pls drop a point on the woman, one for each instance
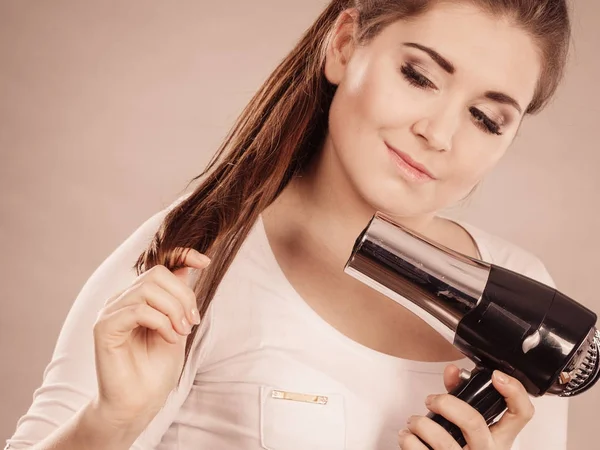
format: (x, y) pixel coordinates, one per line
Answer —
(399, 106)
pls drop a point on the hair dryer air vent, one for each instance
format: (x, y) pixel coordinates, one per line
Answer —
(584, 369)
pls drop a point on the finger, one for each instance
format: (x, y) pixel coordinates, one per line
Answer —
(159, 299)
(464, 416)
(408, 441)
(188, 257)
(451, 377)
(127, 319)
(187, 277)
(179, 284)
(432, 433)
(183, 258)
(520, 409)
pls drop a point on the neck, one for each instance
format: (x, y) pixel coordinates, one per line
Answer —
(320, 214)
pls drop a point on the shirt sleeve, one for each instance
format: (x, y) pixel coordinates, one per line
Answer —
(69, 380)
(548, 428)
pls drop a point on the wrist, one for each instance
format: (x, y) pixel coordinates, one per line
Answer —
(101, 428)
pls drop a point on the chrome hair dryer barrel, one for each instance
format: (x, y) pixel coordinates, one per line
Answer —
(497, 318)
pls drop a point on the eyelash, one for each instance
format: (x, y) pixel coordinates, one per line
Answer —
(415, 78)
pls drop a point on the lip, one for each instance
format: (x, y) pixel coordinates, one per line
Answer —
(419, 168)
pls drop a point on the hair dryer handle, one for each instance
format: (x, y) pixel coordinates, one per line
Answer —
(479, 392)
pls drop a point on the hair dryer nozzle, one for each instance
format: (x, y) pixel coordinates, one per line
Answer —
(434, 282)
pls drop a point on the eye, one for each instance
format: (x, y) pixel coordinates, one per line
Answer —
(415, 78)
(484, 122)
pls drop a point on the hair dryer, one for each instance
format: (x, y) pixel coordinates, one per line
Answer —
(497, 318)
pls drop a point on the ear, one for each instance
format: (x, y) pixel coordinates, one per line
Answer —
(341, 45)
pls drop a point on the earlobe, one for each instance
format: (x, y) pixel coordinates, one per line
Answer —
(340, 46)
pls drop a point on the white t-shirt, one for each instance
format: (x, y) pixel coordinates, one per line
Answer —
(266, 371)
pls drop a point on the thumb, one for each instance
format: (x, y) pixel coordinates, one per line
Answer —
(520, 409)
(451, 377)
(193, 262)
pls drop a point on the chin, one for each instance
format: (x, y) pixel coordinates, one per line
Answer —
(378, 186)
(397, 201)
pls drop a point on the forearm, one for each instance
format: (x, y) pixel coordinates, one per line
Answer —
(92, 429)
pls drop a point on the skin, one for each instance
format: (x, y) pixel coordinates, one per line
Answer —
(446, 123)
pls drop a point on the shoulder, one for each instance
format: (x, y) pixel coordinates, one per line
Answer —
(504, 253)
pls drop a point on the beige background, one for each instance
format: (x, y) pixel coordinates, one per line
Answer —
(107, 108)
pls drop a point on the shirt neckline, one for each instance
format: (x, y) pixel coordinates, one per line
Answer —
(331, 332)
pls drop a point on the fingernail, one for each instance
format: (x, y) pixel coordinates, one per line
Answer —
(186, 325)
(501, 377)
(403, 432)
(409, 420)
(174, 335)
(429, 399)
(191, 276)
(201, 258)
(195, 316)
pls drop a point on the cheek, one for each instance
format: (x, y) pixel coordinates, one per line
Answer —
(353, 118)
(368, 97)
(471, 166)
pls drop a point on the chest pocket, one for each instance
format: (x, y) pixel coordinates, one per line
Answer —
(292, 420)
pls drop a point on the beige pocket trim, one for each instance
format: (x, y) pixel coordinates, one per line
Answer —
(293, 420)
(299, 397)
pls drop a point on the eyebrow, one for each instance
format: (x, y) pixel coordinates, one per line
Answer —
(448, 67)
(499, 97)
(442, 62)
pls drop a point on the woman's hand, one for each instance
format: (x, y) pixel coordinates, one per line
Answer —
(139, 339)
(478, 435)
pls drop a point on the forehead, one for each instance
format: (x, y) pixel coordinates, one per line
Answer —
(489, 52)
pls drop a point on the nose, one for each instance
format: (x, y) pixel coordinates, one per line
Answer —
(437, 130)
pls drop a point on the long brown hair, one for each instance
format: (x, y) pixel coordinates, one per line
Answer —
(284, 125)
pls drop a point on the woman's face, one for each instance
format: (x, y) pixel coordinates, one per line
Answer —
(445, 91)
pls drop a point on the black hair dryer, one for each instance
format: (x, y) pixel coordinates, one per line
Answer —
(497, 318)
